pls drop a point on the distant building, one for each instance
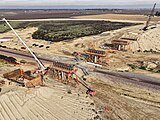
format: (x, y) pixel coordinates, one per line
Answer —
(5, 39)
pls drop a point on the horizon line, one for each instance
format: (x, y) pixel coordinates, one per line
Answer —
(147, 6)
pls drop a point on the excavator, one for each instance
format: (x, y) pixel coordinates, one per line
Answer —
(149, 18)
(42, 70)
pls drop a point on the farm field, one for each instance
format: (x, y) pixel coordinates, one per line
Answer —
(126, 82)
(65, 30)
(119, 17)
(16, 14)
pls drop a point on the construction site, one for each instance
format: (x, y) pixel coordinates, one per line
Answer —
(113, 75)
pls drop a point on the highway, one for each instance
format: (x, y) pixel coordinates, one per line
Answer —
(28, 56)
(138, 79)
(128, 77)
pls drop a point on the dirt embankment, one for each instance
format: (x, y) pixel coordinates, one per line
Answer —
(119, 101)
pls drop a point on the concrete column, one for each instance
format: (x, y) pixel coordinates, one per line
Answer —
(56, 74)
(65, 76)
(119, 47)
(95, 59)
(59, 75)
(62, 76)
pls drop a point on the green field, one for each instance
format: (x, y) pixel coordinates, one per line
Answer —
(4, 27)
(65, 30)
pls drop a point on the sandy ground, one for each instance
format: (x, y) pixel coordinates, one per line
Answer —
(55, 48)
(118, 100)
(50, 102)
(144, 42)
(147, 40)
(79, 44)
(45, 103)
(125, 101)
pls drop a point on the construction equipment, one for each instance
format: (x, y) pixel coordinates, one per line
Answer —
(41, 66)
(67, 73)
(60, 70)
(90, 91)
(149, 18)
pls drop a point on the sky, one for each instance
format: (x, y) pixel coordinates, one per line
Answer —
(109, 3)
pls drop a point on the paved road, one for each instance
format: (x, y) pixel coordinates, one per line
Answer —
(126, 76)
(134, 78)
(123, 77)
(28, 56)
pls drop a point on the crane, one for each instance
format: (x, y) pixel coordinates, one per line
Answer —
(149, 18)
(42, 67)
